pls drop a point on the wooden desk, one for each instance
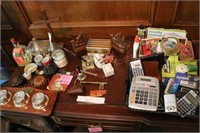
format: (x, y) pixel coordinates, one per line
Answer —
(114, 114)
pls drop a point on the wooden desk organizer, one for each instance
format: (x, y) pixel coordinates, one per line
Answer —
(28, 108)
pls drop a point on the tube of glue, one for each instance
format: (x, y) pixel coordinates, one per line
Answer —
(136, 45)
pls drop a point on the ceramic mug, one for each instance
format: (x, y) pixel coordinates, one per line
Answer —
(38, 59)
(27, 75)
(46, 61)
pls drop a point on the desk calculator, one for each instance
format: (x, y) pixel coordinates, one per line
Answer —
(144, 93)
(136, 67)
(187, 103)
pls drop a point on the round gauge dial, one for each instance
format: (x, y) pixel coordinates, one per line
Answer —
(38, 98)
(19, 96)
(3, 95)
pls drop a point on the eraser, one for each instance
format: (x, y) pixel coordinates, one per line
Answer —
(108, 70)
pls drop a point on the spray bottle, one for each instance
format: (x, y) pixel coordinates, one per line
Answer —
(136, 45)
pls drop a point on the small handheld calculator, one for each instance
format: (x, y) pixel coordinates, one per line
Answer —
(187, 103)
(144, 93)
(169, 87)
(136, 67)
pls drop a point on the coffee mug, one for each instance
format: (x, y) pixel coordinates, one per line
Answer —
(38, 59)
(27, 75)
(45, 61)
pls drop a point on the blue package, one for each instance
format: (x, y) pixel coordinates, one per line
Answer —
(166, 80)
(3, 81)
(177, 79)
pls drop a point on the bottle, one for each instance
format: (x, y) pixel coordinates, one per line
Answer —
(14, 42)
(141, 31)
(51, 46)
(136, 45)
(19, 53)
(59, 58)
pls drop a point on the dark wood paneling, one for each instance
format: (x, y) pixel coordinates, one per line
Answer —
(187, 13)
(186, 16)
(90, 11)
(102, 17)
(164, 14)
(6, 24)
(90, 16)
(20, 28)
(7, 31)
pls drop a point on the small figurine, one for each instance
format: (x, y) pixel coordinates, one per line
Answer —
(78, 43)
(118, 42)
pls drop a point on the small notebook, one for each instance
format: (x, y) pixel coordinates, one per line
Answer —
(59, 82)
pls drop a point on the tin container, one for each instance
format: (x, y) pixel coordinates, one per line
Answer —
(59, 58)
(40, 82)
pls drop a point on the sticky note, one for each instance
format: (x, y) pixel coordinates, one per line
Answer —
(65, 79)
(95, 129)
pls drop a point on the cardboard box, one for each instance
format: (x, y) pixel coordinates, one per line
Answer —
(161, 32)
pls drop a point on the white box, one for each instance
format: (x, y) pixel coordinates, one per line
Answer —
(161, 32)
(108, 70)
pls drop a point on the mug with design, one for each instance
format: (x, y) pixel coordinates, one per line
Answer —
(46, 60)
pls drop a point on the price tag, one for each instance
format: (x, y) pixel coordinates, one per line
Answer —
(95, 129)
(97, 92)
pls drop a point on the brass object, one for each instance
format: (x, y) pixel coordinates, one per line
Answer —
(81, 75)
(88, 62)
(118, 42)
(101, 84)
(40, 82)
(101, 46)
(78, 43)
(96, 74)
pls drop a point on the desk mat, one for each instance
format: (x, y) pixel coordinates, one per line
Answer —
(28, 108)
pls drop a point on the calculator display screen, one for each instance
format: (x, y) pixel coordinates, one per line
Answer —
(144, 79)
(192, 99)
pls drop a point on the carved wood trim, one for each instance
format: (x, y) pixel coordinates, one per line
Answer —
(91, 24)
(23, 12)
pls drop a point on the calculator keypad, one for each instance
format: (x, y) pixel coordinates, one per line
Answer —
(184, 107)
(137, 71)
(170, 88)
(146, 97)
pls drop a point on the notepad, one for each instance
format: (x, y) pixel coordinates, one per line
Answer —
(65, 79)
(91, 99)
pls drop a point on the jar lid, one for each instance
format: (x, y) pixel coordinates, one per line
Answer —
(58, 54)
(39, 80)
